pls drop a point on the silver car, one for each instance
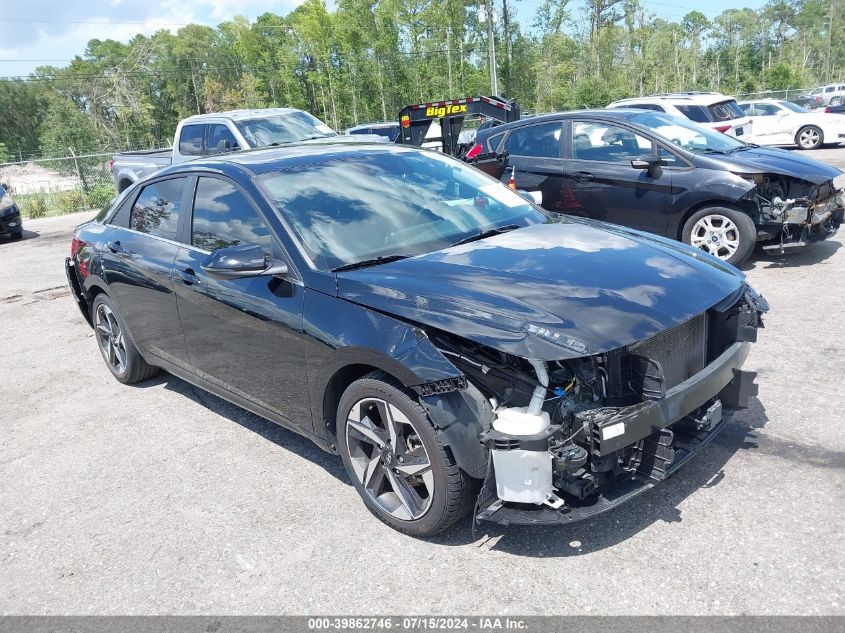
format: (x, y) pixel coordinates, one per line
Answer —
(831, 94)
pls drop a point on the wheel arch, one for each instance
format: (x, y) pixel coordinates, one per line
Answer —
(458, 416)
(747, 207)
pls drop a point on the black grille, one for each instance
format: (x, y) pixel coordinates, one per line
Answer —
(681, 351)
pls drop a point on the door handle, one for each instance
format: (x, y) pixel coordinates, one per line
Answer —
(583, 175)
(116, 248)
(188, 277)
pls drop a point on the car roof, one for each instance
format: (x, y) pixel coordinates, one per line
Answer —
(697, 98)
(270, 159)
(604, 113)
(376, 124)
(241, 115)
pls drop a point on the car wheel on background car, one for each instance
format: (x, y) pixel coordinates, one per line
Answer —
(725, 233)
(395, 460)
(122, 358)
(836, 101)
(809, 137)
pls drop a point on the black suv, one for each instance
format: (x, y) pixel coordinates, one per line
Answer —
(666, 175)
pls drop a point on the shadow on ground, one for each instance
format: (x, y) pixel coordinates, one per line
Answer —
(278, 435)
(658, 504)
(611, 528)
(27, 235)
(807, 256)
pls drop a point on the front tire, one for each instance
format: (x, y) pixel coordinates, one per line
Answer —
(402, 472)
(725, 233)
(122, 357)
(16, 235)
(809, 137)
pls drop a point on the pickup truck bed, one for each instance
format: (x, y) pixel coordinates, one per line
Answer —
(131, 166)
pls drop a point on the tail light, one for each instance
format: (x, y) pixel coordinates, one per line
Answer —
(828, 110)
(723, 128)
(111, 164)
(76, 245)
(475, 150)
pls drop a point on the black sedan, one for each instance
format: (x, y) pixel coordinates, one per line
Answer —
(10, 215)
(668, 176)
(414, 315)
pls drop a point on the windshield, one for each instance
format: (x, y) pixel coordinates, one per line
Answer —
(791, 106)
(687, 135)
(390, 203)
(283, 128)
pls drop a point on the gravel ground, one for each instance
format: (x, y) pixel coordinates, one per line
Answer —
(162, 499)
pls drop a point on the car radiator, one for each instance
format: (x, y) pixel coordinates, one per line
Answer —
(680, 352)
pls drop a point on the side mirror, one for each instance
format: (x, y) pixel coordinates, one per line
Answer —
(650, 163)
(243, 260)
(225, 145)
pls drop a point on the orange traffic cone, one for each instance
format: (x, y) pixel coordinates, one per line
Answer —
(512, 181)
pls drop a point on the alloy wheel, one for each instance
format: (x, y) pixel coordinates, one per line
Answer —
(808, 138)
(389, 459)
(717, 235)
(110, 338)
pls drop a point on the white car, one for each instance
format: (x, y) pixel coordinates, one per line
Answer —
(710, 109)
(784, 123)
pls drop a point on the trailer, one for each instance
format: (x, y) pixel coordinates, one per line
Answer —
(415, 120)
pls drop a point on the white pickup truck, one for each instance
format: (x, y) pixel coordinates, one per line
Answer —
(209, 134)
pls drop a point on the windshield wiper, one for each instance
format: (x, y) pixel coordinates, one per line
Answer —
(487, 233)
(364, 263)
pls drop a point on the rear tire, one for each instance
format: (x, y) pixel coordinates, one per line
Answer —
(725, 233)
(836, 101)
(809, 137)
(405, 476)
(120, 354)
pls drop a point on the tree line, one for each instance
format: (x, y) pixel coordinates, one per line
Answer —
(366, 59)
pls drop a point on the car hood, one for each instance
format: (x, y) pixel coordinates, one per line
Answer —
(772, 160)
(563, 289)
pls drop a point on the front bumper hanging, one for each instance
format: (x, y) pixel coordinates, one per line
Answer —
(663, 435)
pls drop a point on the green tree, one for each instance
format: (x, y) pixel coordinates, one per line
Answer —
(66, 128)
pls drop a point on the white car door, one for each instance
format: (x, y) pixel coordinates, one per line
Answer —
(769, 124)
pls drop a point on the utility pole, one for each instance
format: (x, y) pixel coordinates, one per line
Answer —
(829, 42)
(491, 48)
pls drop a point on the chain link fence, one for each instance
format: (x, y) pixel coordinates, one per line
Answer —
(787, 94)
(54, 186)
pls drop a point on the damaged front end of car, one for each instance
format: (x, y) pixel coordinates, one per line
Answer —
(795, 212)
(565, 440)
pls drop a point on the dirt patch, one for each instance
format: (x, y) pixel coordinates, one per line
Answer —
(32, 178)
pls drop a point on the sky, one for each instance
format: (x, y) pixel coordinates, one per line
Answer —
(50, 32)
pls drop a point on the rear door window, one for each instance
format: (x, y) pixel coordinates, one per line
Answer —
(223, 216)
(190, 140)
(541, 140)
(157, 208)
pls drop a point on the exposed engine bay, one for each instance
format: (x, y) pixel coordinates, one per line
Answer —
(571, 438)
(795, 212)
